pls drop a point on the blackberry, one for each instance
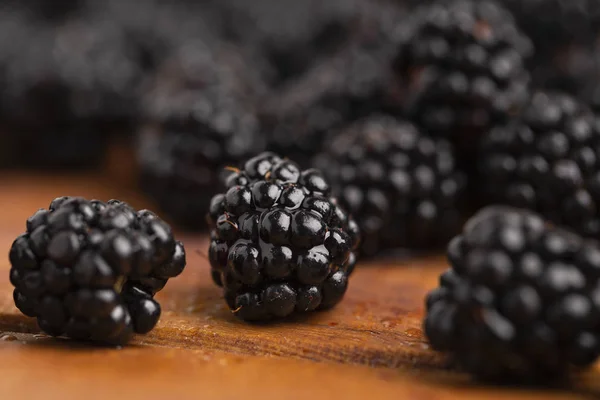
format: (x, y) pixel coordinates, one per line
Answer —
(199, 119)
(548, 160)
(401, 185)
(463, 64)
(520, 301)
(279, 243)
(89, 270)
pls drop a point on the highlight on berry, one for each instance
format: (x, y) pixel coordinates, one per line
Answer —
(89, 270)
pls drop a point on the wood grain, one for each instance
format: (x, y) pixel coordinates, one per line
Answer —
(371, 345)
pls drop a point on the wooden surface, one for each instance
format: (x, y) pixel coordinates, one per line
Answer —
(370, 346)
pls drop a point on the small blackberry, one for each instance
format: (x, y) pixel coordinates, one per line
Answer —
(548, 161)
(463, 64)
(199, 120)
(89, 270)
(351, 84)
(279, 244)
(401, 185)
(520, 301)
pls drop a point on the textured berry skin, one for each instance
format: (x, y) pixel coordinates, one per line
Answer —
(520, 301)
(401, 185)
(548, 161)
(89, 270)
(199, 120)
(280, 245)
(463, 64)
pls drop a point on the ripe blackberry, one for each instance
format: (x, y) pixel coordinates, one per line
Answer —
(401, 185)
(199, 120)
(279, 244)
(520, 301)
(463, 62)
(89, 270)
(548, 161)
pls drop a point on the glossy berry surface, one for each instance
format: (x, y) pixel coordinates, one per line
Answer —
(520, 300)
(548, 160)
(89, 270)
(279, 243)
(401, 185)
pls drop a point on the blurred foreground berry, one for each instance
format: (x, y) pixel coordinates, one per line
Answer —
(520, 301)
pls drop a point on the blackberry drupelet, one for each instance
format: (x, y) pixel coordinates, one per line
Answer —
(89, 270)
(463, 64)
(199, 120)
(520, 301)
(548, 161)
(401, 185)
(279, 244)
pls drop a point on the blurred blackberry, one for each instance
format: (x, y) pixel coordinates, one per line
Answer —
(401, 185)
(520, 301)
(89, 270)
(548, 161)
(464, 67)
(200, 119)
(348, 86)
(279, 244)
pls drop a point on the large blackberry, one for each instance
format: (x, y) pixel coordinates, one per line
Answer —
(548, 160)
(521, 300)
(401, 185)
(279, 243)
(463, 63)
(89, 270)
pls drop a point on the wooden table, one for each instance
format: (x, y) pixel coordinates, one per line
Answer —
(370, 346)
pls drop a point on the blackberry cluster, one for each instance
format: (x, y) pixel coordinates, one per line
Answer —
(464, 66)
(520, 301)
(199, 120)
(401, 185)
(279, 244)
(348, 86)
(90, 270)
(547, 161)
